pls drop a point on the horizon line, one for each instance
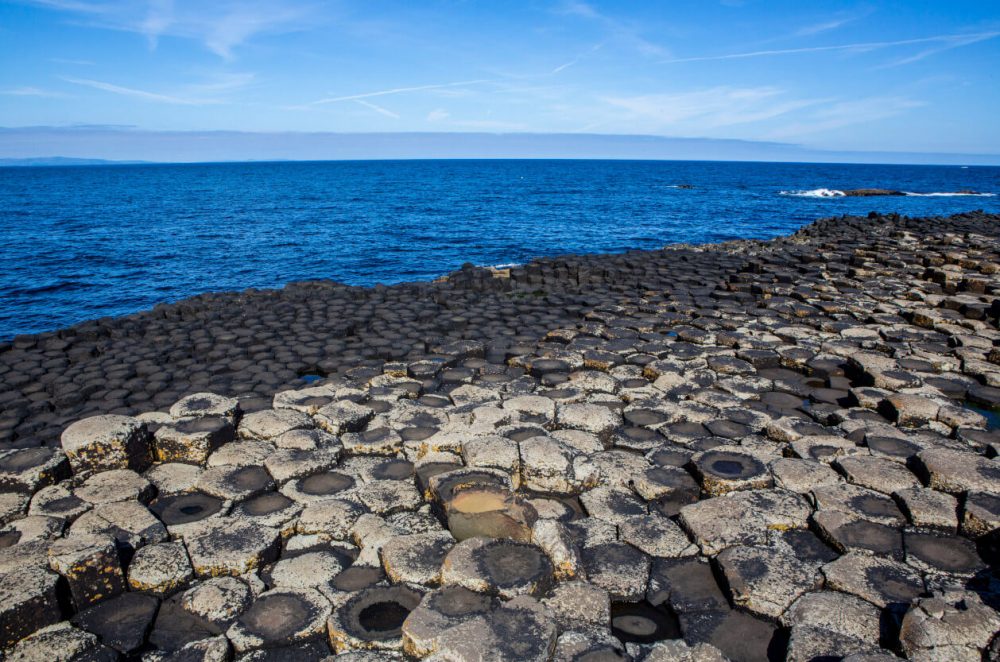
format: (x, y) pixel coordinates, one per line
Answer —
(85, 162)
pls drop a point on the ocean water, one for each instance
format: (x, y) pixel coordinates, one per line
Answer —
(83, 242)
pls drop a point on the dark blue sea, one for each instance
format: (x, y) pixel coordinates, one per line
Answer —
(83, 242)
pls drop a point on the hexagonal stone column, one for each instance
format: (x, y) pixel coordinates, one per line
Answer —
(230, 546)
(91, 567)
(373, 619)
(280, 618)
(28, 601)
(101, 443)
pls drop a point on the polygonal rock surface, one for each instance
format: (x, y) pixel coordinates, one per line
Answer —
(272, 423)
(980, 514)
(957, 471)
(205, 404)
(727, 471)
(121, 622)
(766, 581)
(160, 569)
(372, 619)
(521, 629)
(280, 618)
(743, 518)
(230, 547)
(218, 600)
(192, 440)
(416, 558)
(882, 582)
(837, 612)
(620, 569)
(28, 601)
(90, 565)
(309, 569)
(56, 643)
(101, 443)
(937, 626)
(657, 536)
(505, 567)
(439, 611)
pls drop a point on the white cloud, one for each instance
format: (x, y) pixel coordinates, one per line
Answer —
(623, 32)
(822, 26)
(438, 115)
(210, 93)
(378, 109)
(221, 25)
(398, 90)
(31, 92)
(711, 108)
(846, 113)
(949, 41)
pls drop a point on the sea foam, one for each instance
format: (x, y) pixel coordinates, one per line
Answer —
(816, 193)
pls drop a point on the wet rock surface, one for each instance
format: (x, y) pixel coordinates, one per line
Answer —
(757, 450)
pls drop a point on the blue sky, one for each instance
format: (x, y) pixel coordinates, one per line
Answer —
(916, 76)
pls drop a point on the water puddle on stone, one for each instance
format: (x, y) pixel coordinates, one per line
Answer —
(643, 623)
(991, 415)
(309, 378)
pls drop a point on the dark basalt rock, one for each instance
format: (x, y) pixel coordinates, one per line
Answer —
(934, 552)
(373, 618)
(740, 636)
(643, 623)
(513, 564)
(892, 446)
(185, 508)
(265, 504)
(324, 484)
(872, 536)
(723, 471)
(122, 622)
(357, 578)
(277, 618)
(394, 469)
(174, 627)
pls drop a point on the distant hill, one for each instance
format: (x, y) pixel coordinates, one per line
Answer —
(62, 161)
(140, 146)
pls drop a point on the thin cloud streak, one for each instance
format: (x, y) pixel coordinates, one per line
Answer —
(958, 39)
(140, 94)
(399, 90)
(32, 92)
(221, 26)
(378, 109)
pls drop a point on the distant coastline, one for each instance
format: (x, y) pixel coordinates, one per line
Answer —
(114, 144)
(48, 161)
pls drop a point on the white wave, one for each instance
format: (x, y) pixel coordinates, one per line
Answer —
(951, 195)
(816, 193)
(506, 265)
(834, 193)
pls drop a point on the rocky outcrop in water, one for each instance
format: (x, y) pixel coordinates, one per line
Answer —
(754, 450)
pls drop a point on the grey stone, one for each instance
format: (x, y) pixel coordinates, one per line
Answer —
(882, 582)
(280, 618)
(160, 569)
(766, 581)
(91, 567)
(102, 443)
(206, 404)
(230, 546)
(28, 602)
(956, 471)
(939, 628)
(929, 508)
(743, 518)
(504, 567)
